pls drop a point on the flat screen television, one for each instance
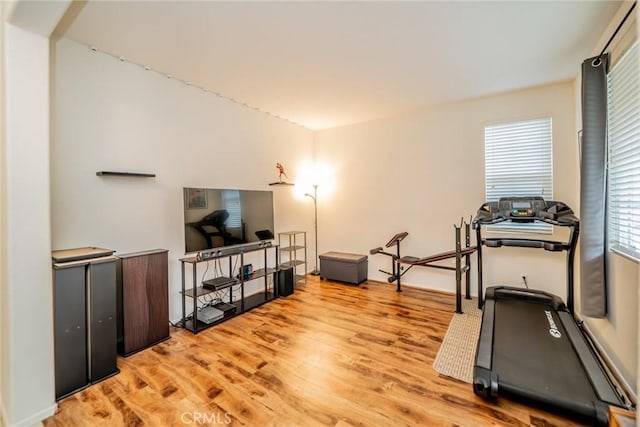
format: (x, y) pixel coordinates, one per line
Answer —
(215, 217)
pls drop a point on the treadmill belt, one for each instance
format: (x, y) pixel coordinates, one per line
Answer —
(534, 358)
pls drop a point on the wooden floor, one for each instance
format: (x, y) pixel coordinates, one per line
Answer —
(329, 355)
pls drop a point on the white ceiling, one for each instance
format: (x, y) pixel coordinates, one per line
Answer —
(326, 64)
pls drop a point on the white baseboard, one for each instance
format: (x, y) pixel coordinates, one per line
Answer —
(32, 420)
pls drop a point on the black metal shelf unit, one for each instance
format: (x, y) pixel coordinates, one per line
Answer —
(233, 284)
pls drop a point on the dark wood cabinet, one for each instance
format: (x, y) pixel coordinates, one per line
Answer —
(143, 300)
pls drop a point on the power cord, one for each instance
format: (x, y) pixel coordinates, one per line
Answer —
(205, 272)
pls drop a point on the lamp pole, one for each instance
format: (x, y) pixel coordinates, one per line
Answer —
(314, 197)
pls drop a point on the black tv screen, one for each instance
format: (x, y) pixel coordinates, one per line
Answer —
(215, 217)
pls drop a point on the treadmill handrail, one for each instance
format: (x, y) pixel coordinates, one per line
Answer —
(548, 245)
(569, 220)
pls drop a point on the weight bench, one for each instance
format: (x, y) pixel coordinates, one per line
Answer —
(458, 253)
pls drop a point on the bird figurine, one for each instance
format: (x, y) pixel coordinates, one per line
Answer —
(281, 172)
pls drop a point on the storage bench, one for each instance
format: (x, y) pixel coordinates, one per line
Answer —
(343, 267)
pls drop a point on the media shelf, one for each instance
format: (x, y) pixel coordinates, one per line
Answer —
(261, 272)
(256, 300)
(295, 248)
(200, 326)
(201, 290)
(230, 286)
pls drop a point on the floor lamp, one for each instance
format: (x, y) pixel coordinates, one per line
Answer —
(314, 197)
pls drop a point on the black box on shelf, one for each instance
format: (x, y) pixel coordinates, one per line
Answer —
(226, 308)
(218, 282)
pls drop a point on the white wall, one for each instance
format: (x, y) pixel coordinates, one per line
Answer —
(111, 115)
(618, 332)
(4, 300)
(422, 172)
(26, 357)
(29, 285)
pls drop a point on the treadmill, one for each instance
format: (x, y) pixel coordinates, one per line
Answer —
(530, 346)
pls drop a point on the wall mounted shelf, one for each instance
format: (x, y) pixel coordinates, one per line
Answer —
(281, 183)
(129, 174)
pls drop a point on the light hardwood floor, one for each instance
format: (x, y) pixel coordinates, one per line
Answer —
(329, 355)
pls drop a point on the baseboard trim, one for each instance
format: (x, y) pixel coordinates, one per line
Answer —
(419, 287)
(32, 420)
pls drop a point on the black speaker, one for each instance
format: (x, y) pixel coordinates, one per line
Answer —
(101, 319)
(285, 282)
(70, 328)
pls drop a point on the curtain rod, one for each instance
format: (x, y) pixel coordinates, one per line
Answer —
(596, 62)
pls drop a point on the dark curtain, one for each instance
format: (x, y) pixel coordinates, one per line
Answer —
(593, 295)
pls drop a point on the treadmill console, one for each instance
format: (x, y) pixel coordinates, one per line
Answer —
(525, 209)
(521, 208)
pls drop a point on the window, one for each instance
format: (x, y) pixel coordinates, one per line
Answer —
(623, 169)
(519, 162)
(231, 202)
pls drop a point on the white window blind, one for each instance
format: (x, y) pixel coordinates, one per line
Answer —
(231, 203)
(519, 162)
(623, 137)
